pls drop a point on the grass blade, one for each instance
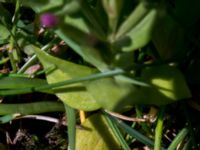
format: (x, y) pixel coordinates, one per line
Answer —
(140, 137)
(31, 108)
(71, 121)
(117, 133)
(159, 128)
(181, 135)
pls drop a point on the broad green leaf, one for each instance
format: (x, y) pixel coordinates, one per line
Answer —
(139, 35)
(168, 86)
(76, 95)
(96, 135)
(112, 94)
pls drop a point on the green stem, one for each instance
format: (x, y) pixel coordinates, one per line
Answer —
(31, 108)
(12, 61)
(159, 129)
(12, 39)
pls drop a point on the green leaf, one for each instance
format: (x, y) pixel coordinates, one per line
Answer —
(112, 94)
(80, 43)
(44, 5)
(167, 86)
(96, 135)
(93, 19)
(4, 34)
(139, 35)
(113, 9)
(76, 95)
(133, 19)
(78, 22)
(171, 43)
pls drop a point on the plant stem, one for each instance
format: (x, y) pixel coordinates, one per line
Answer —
(12, 38)
(159, 129)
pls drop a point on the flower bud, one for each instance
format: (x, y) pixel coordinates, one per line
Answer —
(48, 20)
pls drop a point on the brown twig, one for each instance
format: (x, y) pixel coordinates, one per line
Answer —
(125, 117)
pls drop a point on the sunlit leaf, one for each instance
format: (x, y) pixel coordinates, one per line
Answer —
(96, 135)
(74, 95)
(168, 86)
(161, 85)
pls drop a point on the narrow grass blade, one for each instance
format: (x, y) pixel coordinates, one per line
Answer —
(181, 135)
(117, 133)
(140, 137)
(31, 108)
(159, 128)
(190, 126)
(71, 121)
(188, 145)
(59, 84)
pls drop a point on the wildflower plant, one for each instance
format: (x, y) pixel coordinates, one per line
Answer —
(125, 55)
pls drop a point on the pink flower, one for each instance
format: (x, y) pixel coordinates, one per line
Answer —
(48, 20)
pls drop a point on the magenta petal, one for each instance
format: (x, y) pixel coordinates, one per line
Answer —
(48, 20)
